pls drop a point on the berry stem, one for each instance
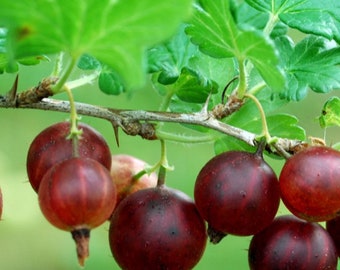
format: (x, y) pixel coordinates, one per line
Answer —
(140, 174)
(75, 133)
(265, 131)
(163, 165)
(257, 88)
(60, 86)
(161, 176)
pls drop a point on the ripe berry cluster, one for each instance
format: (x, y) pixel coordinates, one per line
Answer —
(73, 181)
(153, 226)
(238, 193)
(80, 192)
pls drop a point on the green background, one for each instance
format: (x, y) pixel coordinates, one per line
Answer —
(28, 241)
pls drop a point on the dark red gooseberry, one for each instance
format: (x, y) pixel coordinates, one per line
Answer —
(51, 146)
(157, 228)
(333, 228)
(237, 193)
(310, 183)
(77, 195)
(292, 243)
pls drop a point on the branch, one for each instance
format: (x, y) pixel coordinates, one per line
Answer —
(137, 122)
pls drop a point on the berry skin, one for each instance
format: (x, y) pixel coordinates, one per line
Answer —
(237, 193)
(51, 146)
(123, 170)
(157, 228)
(333, 228)
(310, 183)
(77, 195)
(292, 243)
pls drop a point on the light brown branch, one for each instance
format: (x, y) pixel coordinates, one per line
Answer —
(139, 122)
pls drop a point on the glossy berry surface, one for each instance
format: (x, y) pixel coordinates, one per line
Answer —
(77, 195)
(292, 243)
(77, 192)
(333, 228)
(310, 183)
(157, 228)
(51, 146)
(124, 168)
(237, 193)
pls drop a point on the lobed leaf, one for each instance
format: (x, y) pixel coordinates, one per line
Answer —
(313, 63)
(279, 125)
(216, 69)
(248, 118)
(114, 32)
(171, 56)
(330, 115)
(88, 62)
(10, 66)
(228, 143)
(187, 73)
(214, 30)
(312, 16)
(247, 17)
(110, 82)
(190, 87)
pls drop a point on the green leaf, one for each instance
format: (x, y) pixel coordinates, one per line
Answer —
(214, 30)
(219, 70)
(312, 16)
(246, 17)
(110, 82)
(190, 87)
(280, 125)
(171, 56)
(330, 115)
(114, 32)
(33, 60)
(313, 63)
(285, 126)
(248, 118)
(228, 143)
(88, 62)
(12, 66)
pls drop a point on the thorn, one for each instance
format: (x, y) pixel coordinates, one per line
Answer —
(204, 110)
(12, 93)
(115, 129)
